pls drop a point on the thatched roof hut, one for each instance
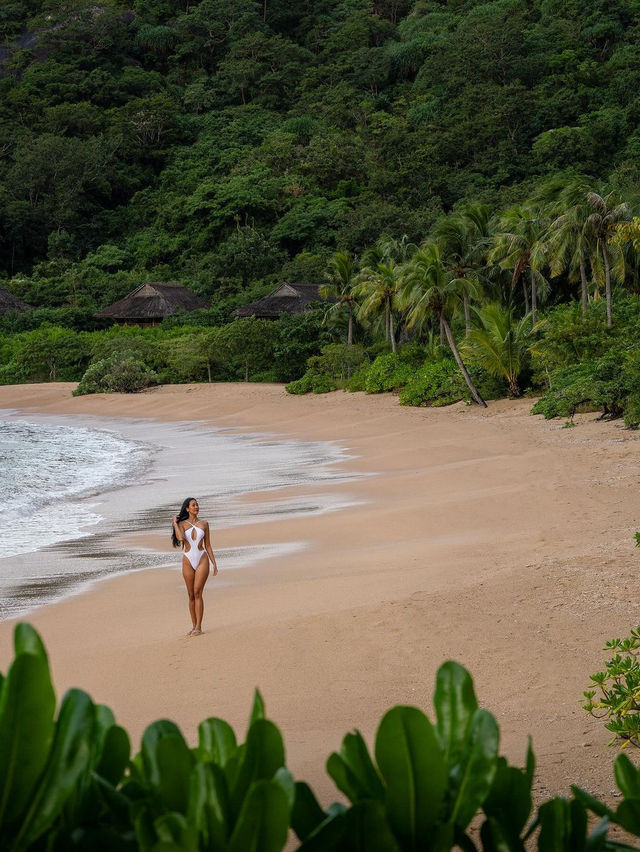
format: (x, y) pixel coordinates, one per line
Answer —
(285, 299)
(9, 302)
(151, 302)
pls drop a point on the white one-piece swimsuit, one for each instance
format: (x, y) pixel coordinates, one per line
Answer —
(194, 555)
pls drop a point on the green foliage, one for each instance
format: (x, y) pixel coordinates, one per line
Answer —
(69, 782)
(388, 373)
(615, 692)
(119, 373)
(436, 383)
(610, 383)
(499, 345)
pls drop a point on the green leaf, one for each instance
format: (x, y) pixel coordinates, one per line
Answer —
(104, 719)
(174, 832)
(115, 755)
(509, 803)
(257, 709)
(174, 763)
(353, 770)
(530, 765)
(27, 705)
(26, 640)
(627, 777)
(216, 741)
(367, 829)
(69, 758)
(455, 703)
(412, 764)
(472, 778)
(209, 805)
(263, 823)
(563, 826)
(150, 739)
(494, 839)
(306, 814)
(628, 816)
(591, 803)
(328, 836)
(262, 757)
(285, 779)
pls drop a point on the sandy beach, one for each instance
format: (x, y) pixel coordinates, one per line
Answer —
(490, 537)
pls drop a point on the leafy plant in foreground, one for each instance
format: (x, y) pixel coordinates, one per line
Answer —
(66, 781)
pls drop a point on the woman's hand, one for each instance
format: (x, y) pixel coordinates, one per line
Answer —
(215, 569)
(175, 520)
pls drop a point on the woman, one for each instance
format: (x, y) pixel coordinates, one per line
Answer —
(192, 534)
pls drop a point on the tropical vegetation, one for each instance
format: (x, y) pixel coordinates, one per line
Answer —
(463, 171)
(70, 781)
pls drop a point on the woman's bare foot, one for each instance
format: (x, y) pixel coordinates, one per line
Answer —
(196, 632)
(190, 632)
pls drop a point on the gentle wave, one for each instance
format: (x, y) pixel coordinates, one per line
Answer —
(46, 469)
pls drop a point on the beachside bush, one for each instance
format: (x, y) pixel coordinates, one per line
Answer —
(122, 373)
(615, 691)
(610, 384)
(358, 380)
(388, 373)
(435, 383)
(67, 781)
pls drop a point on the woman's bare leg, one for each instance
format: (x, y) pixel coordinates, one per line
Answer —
(202, 572)
(189, 579)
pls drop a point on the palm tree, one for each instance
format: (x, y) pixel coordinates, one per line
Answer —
(379, 285)
(341, 289)
(570, 245)
(606, 213)
(519, 245)
(498, 344)
(432, 290)
(462, 236)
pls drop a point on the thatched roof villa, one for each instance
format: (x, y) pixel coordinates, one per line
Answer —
(9, 302)
(151, 302)
(285, 299)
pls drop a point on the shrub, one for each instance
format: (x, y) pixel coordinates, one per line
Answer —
(300, 386)
(358, 380)
(387, 373)
(610, 383)
(437, 383)
(323, 383)
(616, 696)
(121, 373)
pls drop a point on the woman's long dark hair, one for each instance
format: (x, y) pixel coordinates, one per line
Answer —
(183, 514)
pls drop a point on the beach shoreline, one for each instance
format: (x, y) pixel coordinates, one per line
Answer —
(494, 538)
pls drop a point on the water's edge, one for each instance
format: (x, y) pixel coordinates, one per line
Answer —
(218, 466)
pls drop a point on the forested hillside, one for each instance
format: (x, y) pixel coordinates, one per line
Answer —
(226, 143)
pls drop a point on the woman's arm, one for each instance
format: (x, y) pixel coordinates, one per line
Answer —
(177, 529)
(207, 546)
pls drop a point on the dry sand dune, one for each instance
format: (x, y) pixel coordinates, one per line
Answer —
(490, 537)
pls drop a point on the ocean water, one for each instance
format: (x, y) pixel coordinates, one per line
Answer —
(46, 469)
(70, 495)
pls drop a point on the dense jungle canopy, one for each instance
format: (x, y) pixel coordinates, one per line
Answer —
(227, 143)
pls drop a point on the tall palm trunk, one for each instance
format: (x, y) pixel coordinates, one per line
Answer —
(526, 295)
(350, 328)
(467, 315)
(534, 296)
(583, 288)
(607, 281)
(392, 334)
(386, 321)
(460, 363)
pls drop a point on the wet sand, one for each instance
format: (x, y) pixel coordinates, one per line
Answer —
(490, 537)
